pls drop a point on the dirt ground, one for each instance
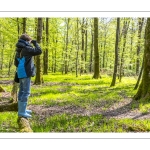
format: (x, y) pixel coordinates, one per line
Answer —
(124, 109)
(119, 110)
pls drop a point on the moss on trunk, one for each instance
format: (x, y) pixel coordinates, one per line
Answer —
(144, 88)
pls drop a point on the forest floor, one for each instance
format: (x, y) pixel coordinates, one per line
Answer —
(127, 108)
(119, 110)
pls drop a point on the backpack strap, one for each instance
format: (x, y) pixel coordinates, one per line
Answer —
(21, 54)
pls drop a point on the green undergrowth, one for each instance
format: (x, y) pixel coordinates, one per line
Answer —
(8, 122)
(83, 92)
(94, 123)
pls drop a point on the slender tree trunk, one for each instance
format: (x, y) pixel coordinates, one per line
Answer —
(116, 53)
(2, 55)
(24, 25)
(144, 88)
(18, 27)
(139, 77)
(126, 26)
(77, 47)
(63, 55)
(91, 53)
(39, 76)
(46, 52)
(96, 53)
(82, 47)
(66, 51)
(55, 56)
(140, 25)
(104, 53)
(131, 47)
(86, 43)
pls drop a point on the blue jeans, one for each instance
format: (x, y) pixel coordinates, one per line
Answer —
(24, 89)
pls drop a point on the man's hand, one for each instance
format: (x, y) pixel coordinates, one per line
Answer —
(34, 42)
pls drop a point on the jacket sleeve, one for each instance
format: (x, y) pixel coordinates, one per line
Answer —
(33, 51)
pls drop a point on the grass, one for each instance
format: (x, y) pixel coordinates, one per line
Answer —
(95, 123)
(84, 92)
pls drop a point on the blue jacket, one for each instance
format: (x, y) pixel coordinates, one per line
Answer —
(24, 60)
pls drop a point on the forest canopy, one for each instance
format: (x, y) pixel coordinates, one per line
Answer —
(68, 44)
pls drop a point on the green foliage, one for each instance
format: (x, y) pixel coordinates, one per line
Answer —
(11, 28)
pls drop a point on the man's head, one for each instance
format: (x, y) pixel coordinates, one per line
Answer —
(25, 37)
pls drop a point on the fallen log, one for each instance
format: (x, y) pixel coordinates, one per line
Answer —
(8, 106)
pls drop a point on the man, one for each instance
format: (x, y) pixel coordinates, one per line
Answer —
(25, 70)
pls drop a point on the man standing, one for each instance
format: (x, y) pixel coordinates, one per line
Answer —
(25, 70)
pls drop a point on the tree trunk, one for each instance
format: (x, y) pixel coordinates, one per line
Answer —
(46, 51)
(104, 53)
(66, 51)
(77, 47)
(96, 53)
(82, 47)
(18, 27)
(2, 54)
(116, 53)
(55, 56)
(86, 44)
(131, 47)
(139, 78)
(24, 25)
(140, 25)
(125, 29)
(91, 52)
(144, 88)
(39, 76)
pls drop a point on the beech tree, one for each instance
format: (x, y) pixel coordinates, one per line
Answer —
(144, 88)
(39, 75)
(96, 52)
(140, 25)
(116, 53)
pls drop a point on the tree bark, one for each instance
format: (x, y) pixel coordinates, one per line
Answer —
(144, 88)
(77, 47)
(91, 51)
(46, 51)
(140, 25)
(24, 25)
(125, 31)
(86, 44)
(96, 52)
(139, 78)
(66, 50)
(8, 107)
(82, 47)
(39, 75)
(116, 53)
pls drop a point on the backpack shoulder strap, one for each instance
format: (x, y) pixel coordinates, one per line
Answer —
(21, 53)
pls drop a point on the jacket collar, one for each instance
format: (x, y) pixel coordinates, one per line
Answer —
(23, 41)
